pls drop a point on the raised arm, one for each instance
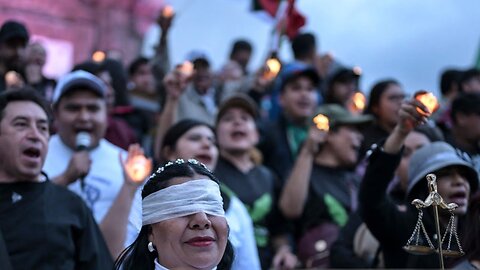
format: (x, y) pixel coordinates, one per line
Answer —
(295, 192)
(175, 83)
(136, 169)
(376, 209)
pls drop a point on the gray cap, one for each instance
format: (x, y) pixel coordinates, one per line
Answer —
(435, 156)
(79, 80)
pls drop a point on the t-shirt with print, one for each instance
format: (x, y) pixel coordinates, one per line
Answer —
(256, 189)
(101, 185)
(331, 197)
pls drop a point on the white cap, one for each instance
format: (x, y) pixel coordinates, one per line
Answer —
(77, 80)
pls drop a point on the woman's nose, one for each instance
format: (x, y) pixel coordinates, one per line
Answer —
(459, 178)
(199, 221)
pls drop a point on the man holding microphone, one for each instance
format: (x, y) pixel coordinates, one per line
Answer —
(90, 166)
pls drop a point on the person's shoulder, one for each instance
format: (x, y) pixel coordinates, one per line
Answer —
(108, 147)
(64, 195)
(54, 141)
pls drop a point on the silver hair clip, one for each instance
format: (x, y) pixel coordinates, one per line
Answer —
(178, 161)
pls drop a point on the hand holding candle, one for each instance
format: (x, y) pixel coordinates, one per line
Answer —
(272, 67)
(321, 122)
(185, 69)
(428, 100)
(357, 103)
(167, 12)
(13, 80)
(136, 167)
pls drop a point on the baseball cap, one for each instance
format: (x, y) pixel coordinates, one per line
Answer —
(78, 79)
(435, 156)
(338, 115)
(294, 70)
(13, 29)
(238, 101)
(343, 75)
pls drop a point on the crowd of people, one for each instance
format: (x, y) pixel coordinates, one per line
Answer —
(159, 165)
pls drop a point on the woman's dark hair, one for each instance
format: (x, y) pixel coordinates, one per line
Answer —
(471, 233)
(376, 94)
(170, 140)
(176, 131)
(119, 80)
(137, 255)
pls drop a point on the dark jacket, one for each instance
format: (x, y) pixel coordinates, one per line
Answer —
(275, 149)
(387, 223)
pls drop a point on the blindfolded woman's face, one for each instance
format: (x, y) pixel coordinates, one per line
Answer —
(196, 241)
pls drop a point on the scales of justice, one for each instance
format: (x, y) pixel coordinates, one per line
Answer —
(443, 249)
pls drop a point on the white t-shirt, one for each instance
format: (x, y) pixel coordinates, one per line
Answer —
(102, 184)
(242, 236)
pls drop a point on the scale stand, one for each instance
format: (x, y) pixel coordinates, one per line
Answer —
(435, 200)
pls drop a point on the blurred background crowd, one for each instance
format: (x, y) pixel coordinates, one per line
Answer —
(293, 131)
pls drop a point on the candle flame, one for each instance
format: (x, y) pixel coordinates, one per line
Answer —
(11, 77)
(138, 168)
(273, 67)
(167, 11)
(322, 122)
(186, 68)
(98, 56)
(359, 101)
(428, 100)
(357, 70)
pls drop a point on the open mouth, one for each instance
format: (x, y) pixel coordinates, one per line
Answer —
(205, 159)
(32, 152)
(238, 134)
(304, 104)
(459, 198)
(83, 129)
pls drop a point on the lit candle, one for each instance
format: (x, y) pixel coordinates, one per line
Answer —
(11, 78)
(272, 68)
(186, 68)
(167, 11)
(358, 102)
(428, 100)
(321, 121)
(138, 168)
(357, 70)
(98, 56)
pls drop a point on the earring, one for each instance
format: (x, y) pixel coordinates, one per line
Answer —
(150, 247)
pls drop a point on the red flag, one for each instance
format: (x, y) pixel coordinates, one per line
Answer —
(294, 19)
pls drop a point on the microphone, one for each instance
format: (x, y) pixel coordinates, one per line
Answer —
(82, 143)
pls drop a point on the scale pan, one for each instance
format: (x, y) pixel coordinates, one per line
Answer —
(452, 253)
(418, 250)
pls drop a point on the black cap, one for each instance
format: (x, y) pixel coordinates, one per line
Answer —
(292, 71)
(13, 29)
(344, 75)
(238, 100)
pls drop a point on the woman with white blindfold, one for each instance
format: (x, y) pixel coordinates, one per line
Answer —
(184, 225)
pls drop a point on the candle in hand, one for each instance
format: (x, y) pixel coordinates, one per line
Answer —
(138, 168)
(272, 68)
(321, 121)
(167, 11)
(186, 68)
(358, 102)
(428, 100)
